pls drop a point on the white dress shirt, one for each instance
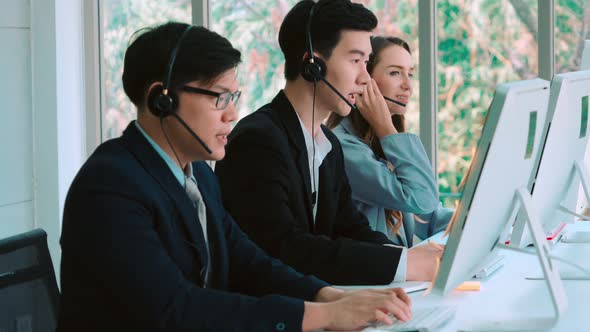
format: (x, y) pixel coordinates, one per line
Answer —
(322, 148)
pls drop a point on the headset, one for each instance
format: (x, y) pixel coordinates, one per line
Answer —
(314, 69)
(163, 102)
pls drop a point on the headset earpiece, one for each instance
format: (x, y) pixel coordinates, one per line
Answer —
(313, 71)
(164, 104)
(161, 100)
(161, 104)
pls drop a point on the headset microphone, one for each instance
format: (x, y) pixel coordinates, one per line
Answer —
(351, 104)
(314, 69)
(164, 103)
(192, 133)
(395, 101)
(337, 92)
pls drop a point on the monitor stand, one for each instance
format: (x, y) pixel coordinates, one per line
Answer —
(521, 236)
(523, 201)
(582, 172)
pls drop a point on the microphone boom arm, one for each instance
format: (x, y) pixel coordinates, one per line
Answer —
(351, 104)
(192, 133)
(338, 93)
(395, 101)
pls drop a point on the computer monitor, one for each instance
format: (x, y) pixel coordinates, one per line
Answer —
(585, 65)
(496, 188)
(502, 165)
(560, 169)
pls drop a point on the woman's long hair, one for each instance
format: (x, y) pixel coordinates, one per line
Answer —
(363, 129)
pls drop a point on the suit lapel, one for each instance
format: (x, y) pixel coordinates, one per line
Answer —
(326, 194)
(288, 117)
(159, 170)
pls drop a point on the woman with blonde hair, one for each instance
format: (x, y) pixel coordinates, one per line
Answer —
(391, 178)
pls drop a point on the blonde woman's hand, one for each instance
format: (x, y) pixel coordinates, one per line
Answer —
(373, 108)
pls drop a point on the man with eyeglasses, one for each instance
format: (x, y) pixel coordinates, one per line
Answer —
(146, 242)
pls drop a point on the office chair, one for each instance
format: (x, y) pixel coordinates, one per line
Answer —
(29, 295)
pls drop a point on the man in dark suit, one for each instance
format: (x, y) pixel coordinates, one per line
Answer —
(147, 244)
(283, 176)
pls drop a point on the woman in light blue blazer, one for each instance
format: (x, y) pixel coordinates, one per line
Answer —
(391, 177)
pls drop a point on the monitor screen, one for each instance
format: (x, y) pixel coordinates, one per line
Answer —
(503, 163)
(586, 56)
(565, 137)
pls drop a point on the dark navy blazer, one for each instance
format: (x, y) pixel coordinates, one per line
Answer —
(267, 186)
(133, 249)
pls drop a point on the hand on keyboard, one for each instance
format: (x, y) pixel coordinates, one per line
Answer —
(359, 308)
(423, 320)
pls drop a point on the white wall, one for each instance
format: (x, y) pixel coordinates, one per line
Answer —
(58, 112)
(16, 127)
(42, 132)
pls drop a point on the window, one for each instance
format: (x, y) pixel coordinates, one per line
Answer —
(480, 44)
(120, 20)
(570, 33)
(253, 28)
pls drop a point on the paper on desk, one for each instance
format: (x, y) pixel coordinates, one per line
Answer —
(407, 286)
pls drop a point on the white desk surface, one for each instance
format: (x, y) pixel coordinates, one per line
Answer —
(508, 295)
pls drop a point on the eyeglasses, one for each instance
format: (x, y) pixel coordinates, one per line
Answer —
(223, 98)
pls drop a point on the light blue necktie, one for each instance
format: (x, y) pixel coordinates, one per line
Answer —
(193, 192)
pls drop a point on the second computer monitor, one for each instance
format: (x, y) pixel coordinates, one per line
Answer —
(503, 163)
(557, 180)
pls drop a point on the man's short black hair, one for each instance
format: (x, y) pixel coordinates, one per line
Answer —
(329, 19)
(203, 56)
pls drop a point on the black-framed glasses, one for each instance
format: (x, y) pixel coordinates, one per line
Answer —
(223, 98)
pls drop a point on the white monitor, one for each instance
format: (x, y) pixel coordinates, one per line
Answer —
(496, 188)
(503, 163)
(585, 65)
(561, 168)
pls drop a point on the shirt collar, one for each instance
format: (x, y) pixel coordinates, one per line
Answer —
(322, 143)
(179, 174)
(347, 125)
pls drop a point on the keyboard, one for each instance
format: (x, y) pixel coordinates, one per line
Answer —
(423, 320)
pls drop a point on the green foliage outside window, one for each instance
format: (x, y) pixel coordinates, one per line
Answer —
(480, 44)
(121, 19)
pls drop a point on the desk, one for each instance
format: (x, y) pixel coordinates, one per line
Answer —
(508, 295)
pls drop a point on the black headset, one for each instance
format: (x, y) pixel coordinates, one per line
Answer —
(313, 69)
(163, 102)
